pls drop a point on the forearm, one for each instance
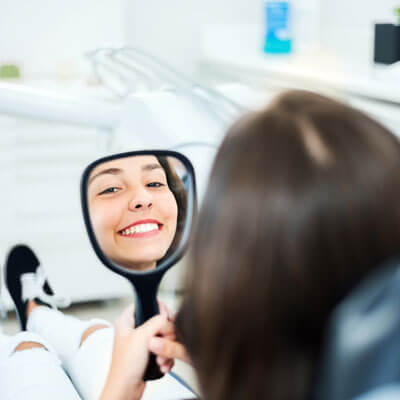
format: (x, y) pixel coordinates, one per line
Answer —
(118, 388)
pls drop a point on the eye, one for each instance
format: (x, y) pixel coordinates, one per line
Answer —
(109, 190)
(155, 184)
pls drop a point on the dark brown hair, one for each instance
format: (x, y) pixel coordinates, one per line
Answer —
(178, 189)
(302, 203)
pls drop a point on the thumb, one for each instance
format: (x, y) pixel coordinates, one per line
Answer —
(126, 319)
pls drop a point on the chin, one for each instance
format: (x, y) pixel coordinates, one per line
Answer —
(145, 258)
(138, 263)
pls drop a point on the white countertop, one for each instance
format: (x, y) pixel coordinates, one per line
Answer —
(318, 68)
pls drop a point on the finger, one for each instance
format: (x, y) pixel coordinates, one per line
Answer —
(169, 336)
(167, 366)
(155, 325)
(167, 329)
(172, 316)
(169, 363)
(165, 369)
(164, 310)
(129, 311)
(126, 318)
(167, 348)
(162, 360)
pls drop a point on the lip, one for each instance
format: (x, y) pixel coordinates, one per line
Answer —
(142, 221)
(142, 234)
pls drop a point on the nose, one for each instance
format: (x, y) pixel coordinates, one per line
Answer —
(140, 202)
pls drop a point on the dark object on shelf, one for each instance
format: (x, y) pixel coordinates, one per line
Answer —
(387, 43)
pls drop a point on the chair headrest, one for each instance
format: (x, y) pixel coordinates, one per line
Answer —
(362, 342)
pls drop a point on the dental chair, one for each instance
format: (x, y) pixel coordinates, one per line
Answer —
(362, 347)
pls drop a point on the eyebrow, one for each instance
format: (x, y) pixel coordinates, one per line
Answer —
(117, 171)
(150, 167)
(112, 171)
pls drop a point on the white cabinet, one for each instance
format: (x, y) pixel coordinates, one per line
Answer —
(40, 168)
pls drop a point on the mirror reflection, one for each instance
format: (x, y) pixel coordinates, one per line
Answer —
(137, 206)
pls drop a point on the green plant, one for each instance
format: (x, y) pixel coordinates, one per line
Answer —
(8, 71)
(397, 12)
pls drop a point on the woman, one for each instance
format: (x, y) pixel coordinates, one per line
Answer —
(302, 204)
(130, 192)
(137, 206)
(300, 207)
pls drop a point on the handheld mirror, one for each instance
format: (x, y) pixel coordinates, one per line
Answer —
(138, 209)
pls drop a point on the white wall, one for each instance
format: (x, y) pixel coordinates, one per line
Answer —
(49, 37)
(173, 28)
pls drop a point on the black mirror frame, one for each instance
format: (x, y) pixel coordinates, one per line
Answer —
(190, 212)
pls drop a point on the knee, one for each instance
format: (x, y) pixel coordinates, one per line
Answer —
(27, 346)
(91, 330)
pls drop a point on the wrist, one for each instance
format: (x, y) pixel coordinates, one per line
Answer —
(119, 387)
(115, 391)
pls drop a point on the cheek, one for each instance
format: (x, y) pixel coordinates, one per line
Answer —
(105, 217)
(169, 208)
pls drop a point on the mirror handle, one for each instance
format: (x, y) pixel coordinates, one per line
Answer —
(146, 307)
(153, 371)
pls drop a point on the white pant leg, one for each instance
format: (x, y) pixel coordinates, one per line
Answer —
(34, 374)
(89, 367)
(87, 364)
(63, 332)
(3, 339)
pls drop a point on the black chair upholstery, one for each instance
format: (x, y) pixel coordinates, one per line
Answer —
(362, 347)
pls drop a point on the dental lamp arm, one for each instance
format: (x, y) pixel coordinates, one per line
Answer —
(23, 101)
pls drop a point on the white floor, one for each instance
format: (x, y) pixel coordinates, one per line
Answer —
(109, 310)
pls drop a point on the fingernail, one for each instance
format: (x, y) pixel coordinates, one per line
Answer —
(164, 369)
(155, 344)
(164, 312)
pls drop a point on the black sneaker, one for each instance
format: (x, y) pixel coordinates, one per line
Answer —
(25, 280)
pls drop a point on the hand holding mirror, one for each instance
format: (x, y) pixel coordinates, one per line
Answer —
(138, 209)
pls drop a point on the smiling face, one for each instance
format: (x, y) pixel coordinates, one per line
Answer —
(132, 210)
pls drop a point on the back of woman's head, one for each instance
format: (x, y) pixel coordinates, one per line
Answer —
(302, 203)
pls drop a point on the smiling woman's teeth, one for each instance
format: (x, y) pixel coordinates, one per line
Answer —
(140, 229)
